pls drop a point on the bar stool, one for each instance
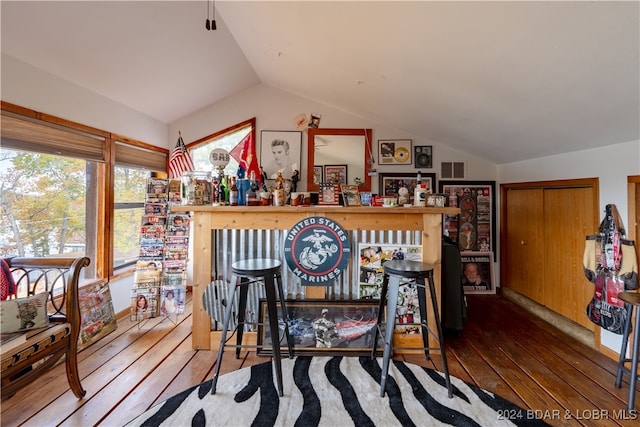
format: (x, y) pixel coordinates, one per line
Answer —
(633, 300)
(251, 271)
(394, 272)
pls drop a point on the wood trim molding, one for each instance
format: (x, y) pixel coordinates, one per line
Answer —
(27, 112)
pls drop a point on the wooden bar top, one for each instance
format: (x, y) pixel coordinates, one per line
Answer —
(350, 218)
(317, 208)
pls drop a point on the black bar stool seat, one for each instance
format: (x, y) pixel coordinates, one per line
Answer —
(396, 271)
(632, 299)
(246, 272)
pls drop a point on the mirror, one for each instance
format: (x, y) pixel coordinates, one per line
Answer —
(338, 148)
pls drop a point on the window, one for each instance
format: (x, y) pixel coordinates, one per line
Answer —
(134, 165)
(49, 179)
(129, 187)
(227, 139)
(45, 204)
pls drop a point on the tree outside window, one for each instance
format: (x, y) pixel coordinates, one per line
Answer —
(44, 204)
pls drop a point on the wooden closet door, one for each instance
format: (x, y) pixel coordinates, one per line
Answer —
(524, 252)
(568, 218)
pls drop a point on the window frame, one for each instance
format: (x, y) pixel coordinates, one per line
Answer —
(231, 129)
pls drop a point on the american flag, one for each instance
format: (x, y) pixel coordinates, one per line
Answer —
(180, 160)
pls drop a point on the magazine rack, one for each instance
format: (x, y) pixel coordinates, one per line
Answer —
(160, 278)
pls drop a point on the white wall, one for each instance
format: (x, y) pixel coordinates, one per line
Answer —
(121, 293)
(611, 164)
(33, 88)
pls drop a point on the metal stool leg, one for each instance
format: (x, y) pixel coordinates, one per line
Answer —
(633, 377)
(436, 313)
(625, 340)
(285, 314)
(381, 305)
(223, 337)
(392, 297)
(422, 296)
(272, 308)
(242, 310)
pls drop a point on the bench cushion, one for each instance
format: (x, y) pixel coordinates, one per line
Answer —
(32, 342)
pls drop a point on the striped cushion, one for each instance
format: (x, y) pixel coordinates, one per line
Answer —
(32, 342)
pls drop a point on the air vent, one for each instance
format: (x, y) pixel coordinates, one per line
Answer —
(452, 170)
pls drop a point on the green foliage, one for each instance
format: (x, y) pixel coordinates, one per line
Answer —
(126, 233)
(43, 203)
(130, 185)
(43, 200)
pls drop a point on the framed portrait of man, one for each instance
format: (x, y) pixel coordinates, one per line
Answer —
(280, 152)
(477, 272)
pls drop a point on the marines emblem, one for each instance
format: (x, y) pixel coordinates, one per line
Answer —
(314, 256)
(317, 250)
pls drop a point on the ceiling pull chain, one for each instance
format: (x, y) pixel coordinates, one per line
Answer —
(208, 23)
(213, 16)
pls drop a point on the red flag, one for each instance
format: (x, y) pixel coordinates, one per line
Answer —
(180, 160)
(245, 154)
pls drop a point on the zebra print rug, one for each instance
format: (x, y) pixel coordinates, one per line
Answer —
(334, 391)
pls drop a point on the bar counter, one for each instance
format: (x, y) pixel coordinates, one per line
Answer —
(204, 219)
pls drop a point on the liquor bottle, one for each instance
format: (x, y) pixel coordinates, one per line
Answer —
(233, 193)
(252, 193)
(214, 192)
(227, 189)
(221, 192)
(419, 178)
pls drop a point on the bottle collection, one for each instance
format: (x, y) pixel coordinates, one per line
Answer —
(200, 189)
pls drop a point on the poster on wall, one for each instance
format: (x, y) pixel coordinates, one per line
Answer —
(280, 152)
(474, 227)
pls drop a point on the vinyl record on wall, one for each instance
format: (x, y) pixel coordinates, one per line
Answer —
(401, 155)
(423, 156)
(394, 151)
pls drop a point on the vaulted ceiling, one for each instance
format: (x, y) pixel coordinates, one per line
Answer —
(506, 81)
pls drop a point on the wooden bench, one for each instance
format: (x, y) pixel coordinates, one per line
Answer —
(29, 354)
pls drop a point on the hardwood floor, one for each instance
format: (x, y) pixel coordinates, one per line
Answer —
(503, 349)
